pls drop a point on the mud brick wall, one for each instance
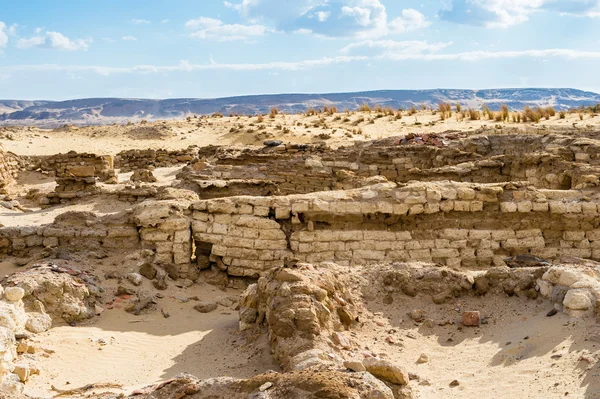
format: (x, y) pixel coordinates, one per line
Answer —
(455, 224)
(61, 163)
(130, 160)
(76, 231)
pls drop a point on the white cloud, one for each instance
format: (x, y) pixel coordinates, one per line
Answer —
(332, 18)
(164, 21)
(214, 29)
(54, 40)
(410, 20)
(12, 31)
(140, 21)
(3, 35)
(129, 38)
(504, 13)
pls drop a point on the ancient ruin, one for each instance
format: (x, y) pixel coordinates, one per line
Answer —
(411, 266)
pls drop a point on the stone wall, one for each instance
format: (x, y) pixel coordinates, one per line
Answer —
(130, 160)
(62, 165)
(455, 224)
(546, 161)
(10, 165)
(76, 231)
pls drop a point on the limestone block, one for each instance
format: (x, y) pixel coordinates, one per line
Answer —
(524, 206)
(528, 233)
(502, 234)
(400, 209)
(508, 207)
(476, 206)
(540, 207)
(257, 222)
(480, 234)
(462, 206)
(261, 211)
(557, 207)
(573, 235)
(444, 253)
(403, 235)
(446, 206)
(368, 255)
(416, 209)
(420, 254)
(574, 207)
(454, 234)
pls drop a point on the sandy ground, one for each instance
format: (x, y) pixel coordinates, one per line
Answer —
(520, 353)
(334, 129)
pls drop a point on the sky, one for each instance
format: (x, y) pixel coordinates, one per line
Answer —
(65, 49)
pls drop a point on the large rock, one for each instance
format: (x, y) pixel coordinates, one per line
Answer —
(577, 299)
(59, 291)
(386, 370)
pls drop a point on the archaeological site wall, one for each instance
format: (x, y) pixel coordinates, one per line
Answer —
(363, 204)
(130, 160)
(62, 165)
(10, 165)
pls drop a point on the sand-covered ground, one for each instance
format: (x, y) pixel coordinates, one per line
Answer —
(335, 130)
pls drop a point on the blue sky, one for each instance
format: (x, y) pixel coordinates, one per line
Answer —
(61, 49)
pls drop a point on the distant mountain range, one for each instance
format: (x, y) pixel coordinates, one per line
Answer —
(96, 111)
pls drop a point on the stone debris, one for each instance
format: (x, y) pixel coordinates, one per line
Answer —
(471, 319)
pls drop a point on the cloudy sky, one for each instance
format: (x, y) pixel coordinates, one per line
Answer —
(211, 48)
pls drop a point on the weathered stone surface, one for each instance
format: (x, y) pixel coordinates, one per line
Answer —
(386, 370)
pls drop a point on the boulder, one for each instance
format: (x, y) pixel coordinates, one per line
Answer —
(386, 370)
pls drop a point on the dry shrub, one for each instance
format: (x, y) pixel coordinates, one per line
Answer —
(412, 110)
(474, 115)
(504, 112)
(445, 110)
(365, 107)
(273, 113)
(458, 107)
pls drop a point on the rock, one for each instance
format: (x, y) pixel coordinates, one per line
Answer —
(205, 306)
(272, 143)
(265, 386)
(471, 319)
(354, 365)
(386, 370)
(577, 299)
(347, 314)
(134, 278)
(38, 322)
(160, 283)
(551, 313)
(340, 340)
(23, 371)
(454, 383)
(422, 359)
(148, 270)
(142, 303)
(122, 290)
(417, 315)
(14, 294)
